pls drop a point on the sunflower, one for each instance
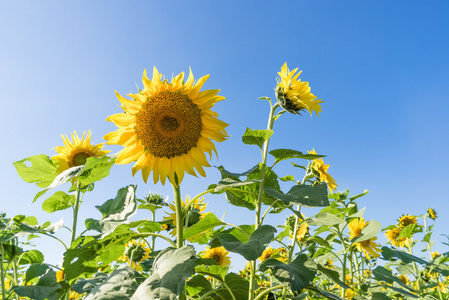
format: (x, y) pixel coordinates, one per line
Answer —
(349, 294)
(321, 170)
(168, 127)
(267, 253)
(432, 213)
(76, 153)
(302, 232)
(219, 254)
(135, 252)
(404, 279)
(329, 264)
(367, 247)
(293, 94)
(392, 236)
(406, 220)
(60, 275)
(193, 215)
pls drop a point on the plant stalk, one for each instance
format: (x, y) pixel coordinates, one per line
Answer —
(179, 214)
(75, 212)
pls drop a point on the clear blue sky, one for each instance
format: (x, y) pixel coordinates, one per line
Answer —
(381, 68)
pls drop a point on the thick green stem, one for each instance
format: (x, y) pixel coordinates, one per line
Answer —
(2, 271)
(179, 214)
(75, 212)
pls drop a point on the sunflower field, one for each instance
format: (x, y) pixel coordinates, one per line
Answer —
(183, 250)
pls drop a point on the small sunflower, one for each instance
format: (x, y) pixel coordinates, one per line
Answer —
(368, 247)
(135, 252)
(76, 153)
(267, 253)
(193, 215)
(349, 294)
(432, 213)
(329, 264)
(60, 275)
(392, 236)
(219, 254)
(167, 128)
(321, 169)
(406, 220)
(293, 94)
(404, 279)
(302, 232)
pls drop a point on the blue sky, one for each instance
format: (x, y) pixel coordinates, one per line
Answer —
(379, 66)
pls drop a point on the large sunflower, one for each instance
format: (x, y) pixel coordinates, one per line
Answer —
(135, 253)
(219, 254)
(168, 127)
(76, 153)
(293, 94)
(321, 169)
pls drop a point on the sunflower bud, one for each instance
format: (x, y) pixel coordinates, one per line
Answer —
(432, 213)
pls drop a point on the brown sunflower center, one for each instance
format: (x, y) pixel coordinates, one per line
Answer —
(169, 124)
(217, 258)
(80, 159)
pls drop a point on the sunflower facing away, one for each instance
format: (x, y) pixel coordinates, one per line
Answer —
(368, 247)
(321, 169)
(193, 215)
(76, 153)
(219, 254)
(293, 94)
(392, 236)
(167, 128)
(135, 252)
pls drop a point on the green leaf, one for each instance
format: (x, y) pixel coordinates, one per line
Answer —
(86, 285)
(256, 137)
(368, 232)
(171, 268)
(226, 174)
(298, 274)
(149, 226)
(11, 251)
(324, 218)
(42, 171)
(283, 154)
(382, 274)
(389, 254)
(58, 201)
(197, 285)
(209, 221)
(254, 248)
(214, 270)
(309, 196)
(408, 231)
(359, 195)
(95, 169)
(288, 178)
(46, 288)
(332, 275)
(232, 183)
(35, 270)
(121, 284)
(380, 296)
(324, 293)
(31, 257)
(117, 211)
(238, 286)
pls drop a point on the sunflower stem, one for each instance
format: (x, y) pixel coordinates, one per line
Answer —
(75, 212)
(179, 214)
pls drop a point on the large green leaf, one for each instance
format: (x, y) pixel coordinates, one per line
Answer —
(86, 285)
(35, 270)
(209, 221)
(298, 274)
(171, 268)
(225, 173)
(324, 218)
(390, 254)
(332, 275)
(254, 248)
(58, 201)
(368, 232)
(238, 286)
(31, 257)
(256, 137)
(120, 285)
(46, 288)
(382, 274)
(42, 171)
(309, 196)
(198, 285)
(95, 169)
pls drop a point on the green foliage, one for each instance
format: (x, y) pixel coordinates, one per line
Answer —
(46, 288)
(42, 172)
(58, 201)
(256, 137)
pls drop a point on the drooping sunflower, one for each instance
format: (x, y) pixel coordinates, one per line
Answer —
(321, 169)
(135, 253)
(406, 220)
(219, 254)
(293, 94)
(367, 247)
(193, 215)
(392, 236)
(76, 153)
(432, 213)
(167, 128)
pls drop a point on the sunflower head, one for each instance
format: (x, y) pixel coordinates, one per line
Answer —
(432, 213)
(319, 169)
(349, 294)
(392, 236)
(219, 254)
(406, 220)
(135, 253)
(60, 275)
(167, 128)
(355, 227)
(76, 152)
(293, 94)
(369, 248)
(302, 231)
